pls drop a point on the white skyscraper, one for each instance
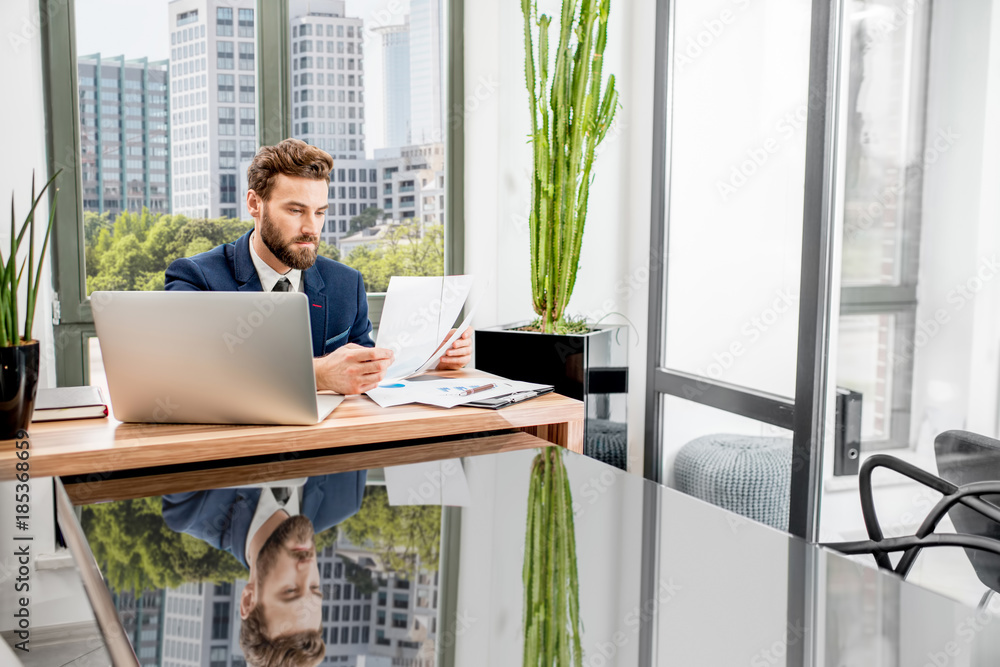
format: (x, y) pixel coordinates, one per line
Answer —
(426, 72)
(328, 77)
(328, 104)
(212, 104)
(396, 83)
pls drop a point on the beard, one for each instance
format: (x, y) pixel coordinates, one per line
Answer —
(296, 528)
(284, 251)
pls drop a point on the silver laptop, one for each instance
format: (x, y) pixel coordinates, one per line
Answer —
(209, 357)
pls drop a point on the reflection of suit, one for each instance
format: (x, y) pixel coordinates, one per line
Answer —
(338, 307)
(222, 517)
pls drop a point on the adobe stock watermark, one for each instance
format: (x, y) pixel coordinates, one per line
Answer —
(882, 26)
(604, 653)
(751, 331)
(592, 489)
(434, 480)
(958, 298)
(710, 31)
(264, 308)
(463, 623)
(758, 155)
(776, 653)
(890, 196)
(966, 632)
(30, 27)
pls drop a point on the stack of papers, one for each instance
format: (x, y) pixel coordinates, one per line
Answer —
(416, 317)
(448, 392)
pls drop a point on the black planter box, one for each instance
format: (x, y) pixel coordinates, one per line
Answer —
(591, 367)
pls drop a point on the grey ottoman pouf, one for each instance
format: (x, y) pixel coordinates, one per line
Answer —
(607, 441)
(749, 475)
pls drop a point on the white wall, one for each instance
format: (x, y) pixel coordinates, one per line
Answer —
(56, 594)
(615, 255)
(22, 118)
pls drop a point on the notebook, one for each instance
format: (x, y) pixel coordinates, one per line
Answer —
(69, 403)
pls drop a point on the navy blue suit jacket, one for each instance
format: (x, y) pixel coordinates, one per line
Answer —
(338, 306)
(222, 517)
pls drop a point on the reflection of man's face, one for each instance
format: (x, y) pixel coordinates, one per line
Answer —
(287, 579)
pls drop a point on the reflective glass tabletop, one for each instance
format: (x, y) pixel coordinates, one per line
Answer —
(530, 556)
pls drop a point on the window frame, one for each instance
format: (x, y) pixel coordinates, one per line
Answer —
(73, 320)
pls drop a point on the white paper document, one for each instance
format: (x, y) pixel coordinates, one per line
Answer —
(444, 392)
(416, 317)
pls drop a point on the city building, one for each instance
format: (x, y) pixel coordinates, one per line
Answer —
(212, 104)
(411, 183)
(396, 82)
(426, 72)
(328, 78)
(142, 620)
(183, 618)
(328, 103)
(124, 129)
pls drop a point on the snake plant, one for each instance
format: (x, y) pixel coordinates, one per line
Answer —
(551, 586)
(571, 112)
(11, 275)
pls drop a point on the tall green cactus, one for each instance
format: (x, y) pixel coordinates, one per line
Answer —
(551, 623)
(570, 116)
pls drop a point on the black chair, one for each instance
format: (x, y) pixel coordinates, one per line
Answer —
(969, 465)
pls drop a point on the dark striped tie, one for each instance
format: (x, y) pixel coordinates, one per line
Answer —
(283, 285)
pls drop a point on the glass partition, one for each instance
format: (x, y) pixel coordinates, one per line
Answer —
(736, 114)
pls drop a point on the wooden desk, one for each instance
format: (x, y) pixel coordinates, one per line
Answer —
(96, 446)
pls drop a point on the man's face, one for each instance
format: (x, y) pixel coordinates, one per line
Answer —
(288, 584)
(292, 219)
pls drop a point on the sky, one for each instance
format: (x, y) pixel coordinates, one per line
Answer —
(138, 28)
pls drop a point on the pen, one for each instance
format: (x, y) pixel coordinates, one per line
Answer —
(469, 392)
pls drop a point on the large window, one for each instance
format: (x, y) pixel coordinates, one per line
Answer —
(220, 620)
(170, 105)
(886, 75)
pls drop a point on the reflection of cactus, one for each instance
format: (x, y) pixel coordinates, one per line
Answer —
(551, 592)
(569, 118)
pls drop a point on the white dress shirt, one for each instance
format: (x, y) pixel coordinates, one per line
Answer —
(269, 277)
(267, 507)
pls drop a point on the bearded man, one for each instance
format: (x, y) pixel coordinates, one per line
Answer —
(287, 199)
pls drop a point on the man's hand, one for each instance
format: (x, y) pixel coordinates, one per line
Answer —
(352, 369)
(459, 354)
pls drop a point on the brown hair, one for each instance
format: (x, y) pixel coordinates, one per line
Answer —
(291, 157)
(302, 649)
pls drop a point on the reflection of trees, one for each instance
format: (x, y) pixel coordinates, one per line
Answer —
(136, 550)
(361, 577)
(397, 535)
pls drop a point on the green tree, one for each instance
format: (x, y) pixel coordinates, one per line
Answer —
(404, 251)
(93, 224)
(124, 262)
(136, 550)
(325, 539)
(327, 250)
(367, 218)
(361, 577)
(133, 253)
(397, 534)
